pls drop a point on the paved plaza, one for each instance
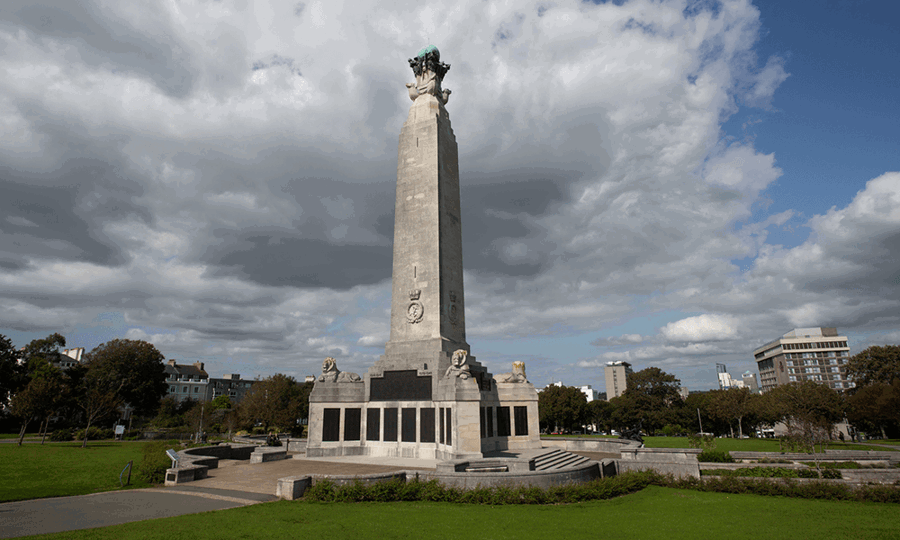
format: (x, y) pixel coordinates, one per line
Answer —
(233, 484)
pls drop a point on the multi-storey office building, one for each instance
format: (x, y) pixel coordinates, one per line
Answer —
(616, 374)
(804, 354)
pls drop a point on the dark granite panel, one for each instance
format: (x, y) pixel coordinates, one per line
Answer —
(331, 425)
(352, 424)
(521, 418)
(490, 421)
(408, 425)
(390, 424)
(373, 424)
(442, 424)
(426, 425)
(449, 426)
(400, 386)
(503, 422)
(482, 423)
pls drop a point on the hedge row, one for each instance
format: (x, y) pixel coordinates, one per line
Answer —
(776, 472)
(606, 488)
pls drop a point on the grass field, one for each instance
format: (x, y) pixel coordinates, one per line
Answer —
(33, 471)
(654, 513)
(730, 445)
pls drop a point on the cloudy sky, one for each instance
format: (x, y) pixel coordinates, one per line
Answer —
(670, 183)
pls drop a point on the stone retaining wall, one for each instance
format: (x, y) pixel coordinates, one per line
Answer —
(674, 461)
(293, 487)
(194, 463)
(608, 446)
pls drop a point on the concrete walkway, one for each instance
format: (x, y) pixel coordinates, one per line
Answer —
(233, 484)
(43, 516)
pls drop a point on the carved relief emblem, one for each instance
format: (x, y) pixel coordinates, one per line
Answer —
(414, 312)
(454, 310)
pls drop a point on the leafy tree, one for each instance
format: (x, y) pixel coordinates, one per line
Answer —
(600, 413)
(305, 389)
(730, 405)
(275, 402)
(222, 402)
(140, 367)
(40, 399)
(9, 371)
(42, 351)
(562, 407)
(170, 413)
(652, 397)
(875, 365)
(99, 394)
(876, 405)
(809, 410)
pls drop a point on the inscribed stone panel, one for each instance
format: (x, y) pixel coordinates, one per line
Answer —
(449, 427)
(426, 425)
(402, 385)
(331, 425)
(352, 424)
(408, 425)
(521, 419)
(390, 424)
(503, 422)
(373, 424)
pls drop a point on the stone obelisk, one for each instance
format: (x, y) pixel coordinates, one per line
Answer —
(427, 299)
(426, 397)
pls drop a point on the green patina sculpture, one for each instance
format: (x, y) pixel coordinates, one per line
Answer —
(429, 71)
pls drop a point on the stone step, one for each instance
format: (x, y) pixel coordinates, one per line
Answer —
(558, 459)
(548, 456)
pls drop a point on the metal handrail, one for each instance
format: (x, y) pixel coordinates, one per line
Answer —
(127, 468)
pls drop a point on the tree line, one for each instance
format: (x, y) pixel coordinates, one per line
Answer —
(808, 409)
(128, 376)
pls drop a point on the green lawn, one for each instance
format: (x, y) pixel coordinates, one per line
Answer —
(728, 445)
(33, 471)
(654, 513)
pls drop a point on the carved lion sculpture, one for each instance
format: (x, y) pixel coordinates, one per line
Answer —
(458, 366)
(517, 375)
(331, 373)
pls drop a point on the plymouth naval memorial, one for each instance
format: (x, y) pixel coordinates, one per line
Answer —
(427, 397)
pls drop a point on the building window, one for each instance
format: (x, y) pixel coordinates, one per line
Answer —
(184, 389)
(792, 378)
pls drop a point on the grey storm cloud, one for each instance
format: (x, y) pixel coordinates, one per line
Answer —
(150, 50)
(222, 175)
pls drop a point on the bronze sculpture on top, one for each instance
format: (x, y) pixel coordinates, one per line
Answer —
(429, 71)
(427, 396)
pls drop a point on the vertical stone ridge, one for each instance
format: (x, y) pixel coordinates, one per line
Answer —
(427, 251)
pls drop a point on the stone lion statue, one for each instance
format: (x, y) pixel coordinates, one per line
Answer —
(517, 375)
(458, 366)
(331, 373)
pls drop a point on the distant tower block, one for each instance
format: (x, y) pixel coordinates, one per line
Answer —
(426, 397)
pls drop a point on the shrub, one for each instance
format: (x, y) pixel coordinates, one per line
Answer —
(432, 490)
(714, 456)
(154, 462)
(95, 434)
(775, 472)
(706, 442)
(62, 435)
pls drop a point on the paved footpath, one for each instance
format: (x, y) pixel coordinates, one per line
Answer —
(233, 484)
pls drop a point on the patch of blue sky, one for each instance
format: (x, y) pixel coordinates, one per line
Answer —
(832, 124)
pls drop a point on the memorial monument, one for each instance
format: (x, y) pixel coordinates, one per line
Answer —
(426, 397)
